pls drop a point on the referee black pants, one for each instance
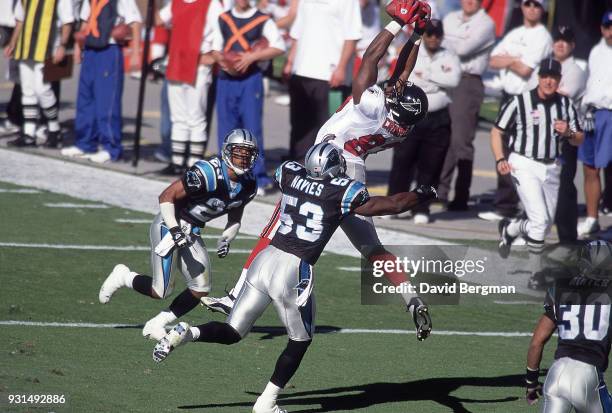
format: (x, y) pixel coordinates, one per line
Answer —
(308, 111)
(421, 155)
(566, 217)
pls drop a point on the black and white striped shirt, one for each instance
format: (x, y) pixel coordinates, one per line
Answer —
(530, 121)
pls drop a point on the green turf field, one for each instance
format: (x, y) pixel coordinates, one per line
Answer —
(111, 369)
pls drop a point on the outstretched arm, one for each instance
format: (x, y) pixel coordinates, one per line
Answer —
(396, 204)
(368, 70)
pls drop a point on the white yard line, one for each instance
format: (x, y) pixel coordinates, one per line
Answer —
(69, 205)
(133, 221)
(95, 247)
(350, 269)
(19, 191)
(339, 331)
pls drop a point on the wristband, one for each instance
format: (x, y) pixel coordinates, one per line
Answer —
(393, 27)
(168, 214)
(502, 159)
(532, 376)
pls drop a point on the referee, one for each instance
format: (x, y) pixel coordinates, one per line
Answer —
(539, 120)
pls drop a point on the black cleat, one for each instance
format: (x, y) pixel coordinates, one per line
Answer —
(506, 239)
(22, 141)
(54, 140)
(421, 318)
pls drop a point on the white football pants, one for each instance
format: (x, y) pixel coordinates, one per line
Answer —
(537, 185)
(280, 278)
(36, 92)
(188, 113)
(193, 262)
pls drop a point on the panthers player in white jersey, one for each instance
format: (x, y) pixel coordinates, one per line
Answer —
(579, 308)
(316, 199)
(209, 189)
(371, 120)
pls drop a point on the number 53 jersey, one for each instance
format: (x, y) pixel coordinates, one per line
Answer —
(580, 307)
(311, 210)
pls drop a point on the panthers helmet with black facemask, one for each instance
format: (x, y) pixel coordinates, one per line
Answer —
(240, 139)
(324, 160)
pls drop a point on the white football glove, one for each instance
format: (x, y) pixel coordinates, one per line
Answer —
(223, 247)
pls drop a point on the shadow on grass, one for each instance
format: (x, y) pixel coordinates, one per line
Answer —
(438, 390)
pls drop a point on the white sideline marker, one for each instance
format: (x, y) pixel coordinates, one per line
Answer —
(19, 191)
(96, 247)
(69, 205)
(340, 331)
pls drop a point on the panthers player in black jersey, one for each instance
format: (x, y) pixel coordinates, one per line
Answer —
(315, 200)
(579, 308)
(207, 190)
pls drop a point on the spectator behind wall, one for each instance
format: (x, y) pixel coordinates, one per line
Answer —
(596, 152)
(470, 33)
(517, 57)
(325, 34)
(240, 94)
(436, 70)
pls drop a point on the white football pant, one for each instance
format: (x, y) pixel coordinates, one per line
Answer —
(537, 185)
(188, 113)
(273, 277)
(193, 262)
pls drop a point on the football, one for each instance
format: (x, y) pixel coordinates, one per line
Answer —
(231, 57)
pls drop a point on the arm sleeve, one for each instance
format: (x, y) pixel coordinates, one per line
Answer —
(129, 11)
(574, 120)
(19, 13)
(372, 103)
(85, 10)
(297, 26)
(65, 11)
(351, 20)
(271, 32)
(356, 194)
(507, 115)
(200, 177)
(476, 39)
(217, 37)
(540, 49)
(165, 14)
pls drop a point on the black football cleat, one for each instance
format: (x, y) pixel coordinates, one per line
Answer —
(22, 141)
(421, 318)
(506, 240)
(54, 140)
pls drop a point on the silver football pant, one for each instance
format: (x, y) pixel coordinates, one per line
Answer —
(192, 261)
(279, 278)
(572, 384)
(360, 230)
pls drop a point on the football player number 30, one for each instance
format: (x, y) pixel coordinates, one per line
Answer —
(313, 213)
(595, 321)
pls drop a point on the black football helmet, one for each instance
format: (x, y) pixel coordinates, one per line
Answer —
(407, 105)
